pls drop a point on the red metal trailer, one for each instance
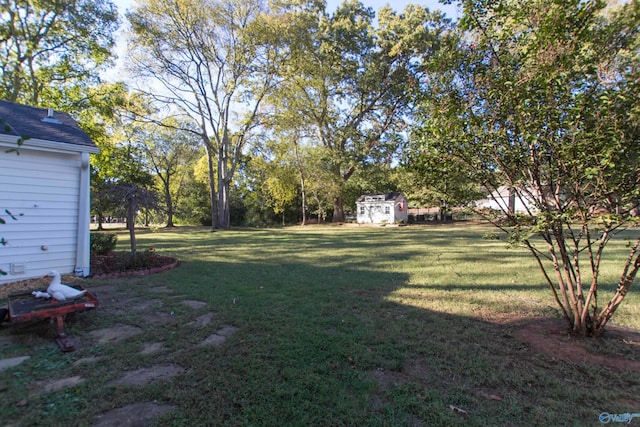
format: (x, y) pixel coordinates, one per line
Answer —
(24, 307)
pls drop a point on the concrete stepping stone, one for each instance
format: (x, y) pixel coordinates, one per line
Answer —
(194, 304)
(202, 321)
(145, 305)
(219, 337)
(55, 385)
(144, 376)
(134, 415)
(152, 347)
(12, 362)
(115, 333)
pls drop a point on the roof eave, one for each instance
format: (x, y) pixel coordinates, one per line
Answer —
(11, 141)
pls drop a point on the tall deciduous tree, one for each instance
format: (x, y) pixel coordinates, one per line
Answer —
(542, 96)
(351, 80)
(49, 46)
(170, 154)
(209, 64)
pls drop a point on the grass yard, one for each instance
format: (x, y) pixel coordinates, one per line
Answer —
(332, 326)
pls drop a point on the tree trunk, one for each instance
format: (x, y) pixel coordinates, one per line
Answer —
(303, 192)
(224, 214)
(304, 203)
(131, 215)
(100, 219)
(169, 202)
(511, 209)
(338, 209)
(212, 188)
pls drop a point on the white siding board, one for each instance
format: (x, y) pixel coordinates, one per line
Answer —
(26, 225)
(23, 205)
(59, 169)
(27, 248)
(44, 188)
(37, 231)
(39, 184)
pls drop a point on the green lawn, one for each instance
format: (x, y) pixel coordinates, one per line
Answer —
(337, 325)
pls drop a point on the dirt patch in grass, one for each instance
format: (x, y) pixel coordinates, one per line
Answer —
(551, 338)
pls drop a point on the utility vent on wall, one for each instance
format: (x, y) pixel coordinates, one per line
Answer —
(18, 269)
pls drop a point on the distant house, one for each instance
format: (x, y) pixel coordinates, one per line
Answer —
(387, 208)
(45, 185)
(502, 198)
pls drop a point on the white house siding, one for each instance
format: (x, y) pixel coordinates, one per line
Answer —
(499, 200)
(374, 209)
(42, 190)
(375, 213)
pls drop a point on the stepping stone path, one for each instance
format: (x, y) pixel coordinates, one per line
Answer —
(55, 385)
(202, 321)
(152, 347)
(115, 302)
(219, 337)
(134, 415)
(144, 376)
(11, 362)
(115, 333)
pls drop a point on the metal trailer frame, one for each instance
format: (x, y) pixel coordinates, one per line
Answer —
(23, 307)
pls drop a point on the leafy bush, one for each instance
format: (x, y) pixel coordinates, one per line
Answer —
(103, 243)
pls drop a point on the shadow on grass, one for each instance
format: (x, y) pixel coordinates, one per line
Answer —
(325, 345)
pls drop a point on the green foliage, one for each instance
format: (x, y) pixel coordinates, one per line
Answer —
(349, 84)
(210, 61)
(538, 98)
(50, 47)
(102, 243)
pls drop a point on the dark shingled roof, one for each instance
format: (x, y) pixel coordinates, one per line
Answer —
(24, 121)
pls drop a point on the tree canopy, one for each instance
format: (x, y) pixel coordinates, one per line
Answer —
(352, 80)
(47, 47)
(213, 69)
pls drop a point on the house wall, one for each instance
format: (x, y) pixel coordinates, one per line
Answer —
(401, 210)
(44, 188)
(374, 212)
(499, 200)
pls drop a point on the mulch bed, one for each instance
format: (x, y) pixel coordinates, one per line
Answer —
(113, 265)
(121, 264)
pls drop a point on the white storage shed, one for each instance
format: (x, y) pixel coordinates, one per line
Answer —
(44, 193)
(386, 208)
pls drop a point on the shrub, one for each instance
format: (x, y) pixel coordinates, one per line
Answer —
(102, 243)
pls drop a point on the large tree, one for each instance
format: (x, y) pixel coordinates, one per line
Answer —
(169, 154)
(351, 80)
(208, 63)
(542, 96)
(49, 46)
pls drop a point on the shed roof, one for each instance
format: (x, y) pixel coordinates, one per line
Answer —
(394, 195)
(35, 123)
